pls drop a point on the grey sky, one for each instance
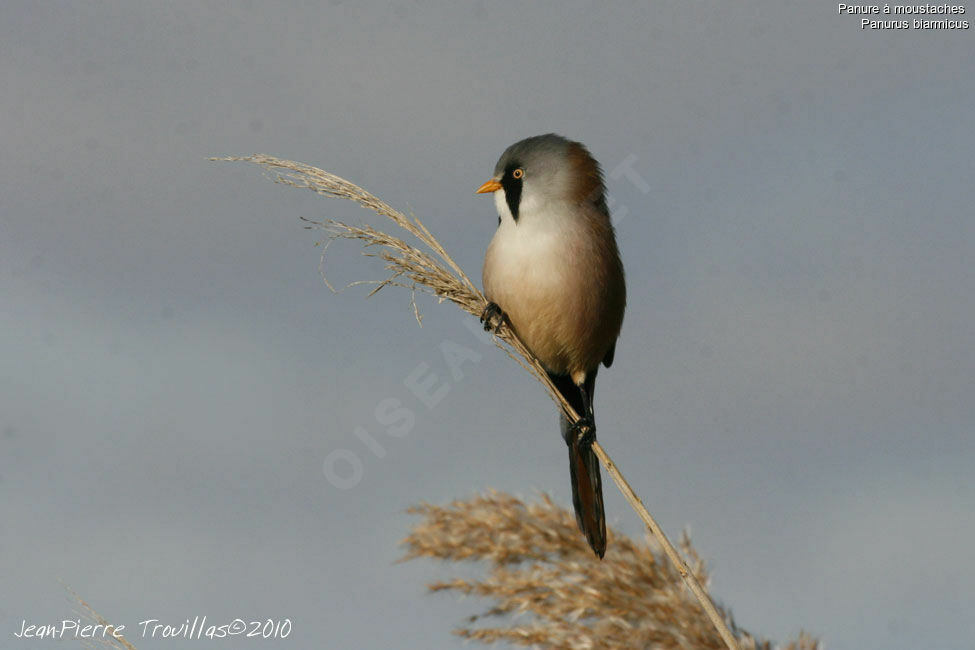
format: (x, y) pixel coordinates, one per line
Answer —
(793, 382)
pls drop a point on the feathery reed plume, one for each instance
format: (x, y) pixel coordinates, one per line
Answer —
(541, 572)
(411, 267)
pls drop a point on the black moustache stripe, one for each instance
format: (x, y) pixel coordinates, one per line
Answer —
(512, 190)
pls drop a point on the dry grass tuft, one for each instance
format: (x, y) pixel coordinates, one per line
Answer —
(543, 575)
(431, 271)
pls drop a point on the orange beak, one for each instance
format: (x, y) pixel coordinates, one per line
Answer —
(491, 186)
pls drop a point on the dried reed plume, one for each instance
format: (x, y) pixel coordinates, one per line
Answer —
(436, 273)
(542, 573)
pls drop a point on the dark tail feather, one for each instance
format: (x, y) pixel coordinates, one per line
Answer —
(587, 494)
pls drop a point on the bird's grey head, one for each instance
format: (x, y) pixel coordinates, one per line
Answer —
(546, 169)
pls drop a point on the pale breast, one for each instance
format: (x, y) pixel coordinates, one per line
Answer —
(561, 286)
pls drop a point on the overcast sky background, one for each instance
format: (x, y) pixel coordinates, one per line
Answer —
(794, 380)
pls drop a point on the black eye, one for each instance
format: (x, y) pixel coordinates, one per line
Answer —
(518, 173)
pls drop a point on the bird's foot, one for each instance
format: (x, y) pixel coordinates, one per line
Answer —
(492, 317)
(583, 432)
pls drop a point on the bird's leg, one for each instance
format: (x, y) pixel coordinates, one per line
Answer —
(492, 317)
(584, 429)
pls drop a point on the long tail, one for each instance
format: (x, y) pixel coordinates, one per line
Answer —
(587, 492)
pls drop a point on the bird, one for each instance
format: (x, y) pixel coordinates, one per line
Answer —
(553, 273)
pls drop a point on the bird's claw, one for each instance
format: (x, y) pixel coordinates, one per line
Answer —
(492, 317)
(583, 432)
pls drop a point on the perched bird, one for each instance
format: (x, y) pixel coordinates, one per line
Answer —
(554, 272)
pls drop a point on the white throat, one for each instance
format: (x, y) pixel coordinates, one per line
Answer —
(501, 204)
(528, 205)
(537, 246)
